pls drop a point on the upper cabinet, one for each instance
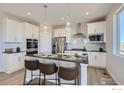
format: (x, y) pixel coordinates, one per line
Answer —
(62, 32)
(98, 27)
(31, 31)
(12, 30)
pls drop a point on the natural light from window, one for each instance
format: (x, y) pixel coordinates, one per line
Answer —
(121, 31)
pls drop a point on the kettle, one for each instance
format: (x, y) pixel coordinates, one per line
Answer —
(17, 49)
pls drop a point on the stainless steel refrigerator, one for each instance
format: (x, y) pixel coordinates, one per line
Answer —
(59, 45)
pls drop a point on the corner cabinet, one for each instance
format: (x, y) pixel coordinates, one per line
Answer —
(12, 30)
(13, 62)
(31, 31)
(97, 59)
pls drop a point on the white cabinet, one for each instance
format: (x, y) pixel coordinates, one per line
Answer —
(13, 62)
(31, 31)
(98, 27)
(35, 32)
(97, 59)
(12, 30)
(91, 28)
(62, 32)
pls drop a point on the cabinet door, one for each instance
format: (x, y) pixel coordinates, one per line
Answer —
(100, 27)
(19, 32)
(11, 63)
(62, 32)
(10, 30)
(101, 59)
(91, 28)
(59, 33)
(97, 59)
(91, 59)
(35, 32)
(27, 30)
(31, 31)
(21, 58)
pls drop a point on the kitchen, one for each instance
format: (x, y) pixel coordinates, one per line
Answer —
(83, 40)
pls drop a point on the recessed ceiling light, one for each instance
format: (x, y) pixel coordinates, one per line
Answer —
(86, 13)
(62, 18)
(28, 13)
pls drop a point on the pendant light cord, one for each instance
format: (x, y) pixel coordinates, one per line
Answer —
(45, 13)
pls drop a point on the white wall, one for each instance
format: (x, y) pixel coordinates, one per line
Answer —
(0, 46)
(115, 64)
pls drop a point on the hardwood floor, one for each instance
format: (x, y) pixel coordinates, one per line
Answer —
(96, 76)
(99, 76)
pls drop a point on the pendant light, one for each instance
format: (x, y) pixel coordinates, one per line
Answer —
(45, 27)
(68, 19)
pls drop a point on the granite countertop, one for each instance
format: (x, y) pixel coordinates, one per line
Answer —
(85, 51)
(13, 52)
(83, 60)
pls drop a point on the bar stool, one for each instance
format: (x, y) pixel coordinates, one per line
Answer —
(48, 69)
(31, 65)
(68, 73)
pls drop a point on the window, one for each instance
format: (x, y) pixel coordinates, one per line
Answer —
(118, 32)
(121, 31)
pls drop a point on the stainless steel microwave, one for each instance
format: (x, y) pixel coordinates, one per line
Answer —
(96, 38)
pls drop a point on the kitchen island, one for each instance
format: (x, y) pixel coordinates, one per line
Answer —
(65, 60)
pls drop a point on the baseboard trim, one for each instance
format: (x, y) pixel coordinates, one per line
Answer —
(96, 66)
(113, 77)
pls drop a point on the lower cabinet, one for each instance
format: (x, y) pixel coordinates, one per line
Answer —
(13, 62)
(97, 59)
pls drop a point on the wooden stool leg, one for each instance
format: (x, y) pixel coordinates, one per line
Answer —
(24, 76)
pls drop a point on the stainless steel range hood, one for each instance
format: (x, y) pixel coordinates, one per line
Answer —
(79, 34)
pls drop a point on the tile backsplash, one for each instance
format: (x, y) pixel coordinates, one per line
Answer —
(79, 43)
(14, 46)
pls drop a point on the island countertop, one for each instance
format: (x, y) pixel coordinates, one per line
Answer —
(66, 61)
(83, 60)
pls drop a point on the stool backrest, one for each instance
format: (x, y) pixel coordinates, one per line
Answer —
(32, 64)
(68, 73)
(47, 69)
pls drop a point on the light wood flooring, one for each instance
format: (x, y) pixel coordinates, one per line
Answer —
(96, 76)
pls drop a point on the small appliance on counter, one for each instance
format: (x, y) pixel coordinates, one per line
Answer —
(18, 49)
(8, 50)
(101, 49)
(84, 49)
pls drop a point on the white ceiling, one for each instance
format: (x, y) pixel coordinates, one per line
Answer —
(56, 11)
